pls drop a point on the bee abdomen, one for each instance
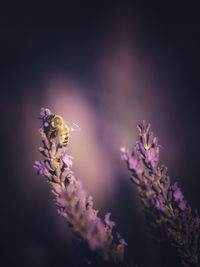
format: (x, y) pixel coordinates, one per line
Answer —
(65, 141)
(65, 137)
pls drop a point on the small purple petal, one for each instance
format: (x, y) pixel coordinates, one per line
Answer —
(155, 141)
(124, 153)
(123, 149)
(48, 112)
(152, 156)
(67, 160)
(44, 114)
(94, 244)
(182, 204)
(108, 221)
(134, 164)
(121, 240)
(89, 202)
(178, 195)
(40, 166)
(138, 149)
(159, 202)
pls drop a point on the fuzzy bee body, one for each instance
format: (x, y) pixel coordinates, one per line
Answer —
(64, 135)
(58, 128)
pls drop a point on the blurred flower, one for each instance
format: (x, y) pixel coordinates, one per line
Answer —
(108, 222)
(159, 202)
(121, 240)
(94, 244)
(151, 156)
(124, 153)
(66, 159)
(138, 149)
(178, 195)
(182, 204)
(40, 166)
(164, 203)
(134, 164)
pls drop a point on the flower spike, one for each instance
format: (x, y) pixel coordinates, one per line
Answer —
(163, 201)
(72, 201)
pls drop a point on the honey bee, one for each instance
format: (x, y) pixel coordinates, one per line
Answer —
(60, 129)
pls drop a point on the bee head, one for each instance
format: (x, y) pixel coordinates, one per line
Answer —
(55, 121)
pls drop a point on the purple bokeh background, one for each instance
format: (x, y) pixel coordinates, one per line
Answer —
(104, 68)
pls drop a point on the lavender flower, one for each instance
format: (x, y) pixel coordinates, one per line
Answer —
(135, 164)
(40, 166)
(108, 222)
(159, 204)
(67, 160)
(163, 202)
(44, 114)
(73, 203)
(151, 156)
(178, 195)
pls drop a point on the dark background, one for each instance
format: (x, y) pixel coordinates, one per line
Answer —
(38, 39)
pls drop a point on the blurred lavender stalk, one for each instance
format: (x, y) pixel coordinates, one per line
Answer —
(165, 206)
(72, 201)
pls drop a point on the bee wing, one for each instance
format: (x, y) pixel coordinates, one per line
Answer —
(71, 126)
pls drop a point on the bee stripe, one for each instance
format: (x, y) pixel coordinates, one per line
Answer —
(66, 139)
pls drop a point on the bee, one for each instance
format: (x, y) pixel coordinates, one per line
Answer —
(60, 129)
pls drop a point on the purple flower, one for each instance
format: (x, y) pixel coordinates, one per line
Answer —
(107, 220)
(178, 195)
(121, 240)
(44, 114)
(89, 202)
(155, 141)
(134, 164)
(143, 127)
(98, 234)
(138, 149)
(159, 202)
(175, 186)
(67, 160)
(124, 153)
(94, 243)
(156, 190)
(72, 201)
(182, 204)
(152, 156)
(41, 168)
